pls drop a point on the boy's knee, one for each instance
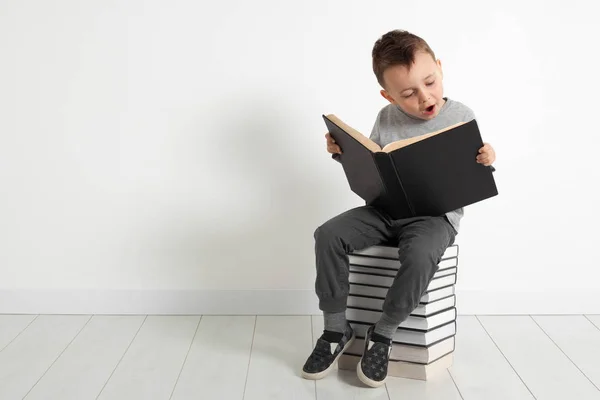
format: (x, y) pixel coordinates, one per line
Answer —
(327, 237)
(323, 235)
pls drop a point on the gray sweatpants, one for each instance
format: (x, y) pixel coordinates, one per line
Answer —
(421, 243)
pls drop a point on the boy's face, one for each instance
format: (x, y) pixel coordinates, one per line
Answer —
(418, 91)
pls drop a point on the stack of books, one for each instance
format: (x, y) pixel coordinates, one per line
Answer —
(424, 343)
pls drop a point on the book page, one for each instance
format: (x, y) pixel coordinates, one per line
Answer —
(405, 142)
(365, 141)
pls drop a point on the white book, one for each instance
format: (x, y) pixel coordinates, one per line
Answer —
(437, 294)
(393, 265)
(375, 291)
(392, 252)
(411, 322)
(414, 354)
(423, 310)
(389, 272)
(416, 338)
(403, 369)
(385, 282)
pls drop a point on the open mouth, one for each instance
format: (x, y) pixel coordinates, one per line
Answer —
(430, 109)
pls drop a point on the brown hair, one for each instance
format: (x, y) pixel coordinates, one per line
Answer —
(397, 47)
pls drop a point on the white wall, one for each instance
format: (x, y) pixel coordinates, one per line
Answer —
(154, 152)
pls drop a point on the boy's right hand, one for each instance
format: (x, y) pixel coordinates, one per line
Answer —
(332, 147)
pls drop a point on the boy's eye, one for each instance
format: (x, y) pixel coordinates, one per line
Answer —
(430, 83)
(406, 96)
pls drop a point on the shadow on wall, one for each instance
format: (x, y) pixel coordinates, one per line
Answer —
(263, 237)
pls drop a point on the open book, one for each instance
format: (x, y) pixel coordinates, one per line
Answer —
(427, 175)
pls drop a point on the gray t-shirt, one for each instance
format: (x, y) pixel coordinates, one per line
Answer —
(393, 124)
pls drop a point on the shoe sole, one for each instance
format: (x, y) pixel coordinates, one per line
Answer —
(320, 375)
(364, 379)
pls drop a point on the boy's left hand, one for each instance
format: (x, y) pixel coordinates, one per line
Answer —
(486, 155)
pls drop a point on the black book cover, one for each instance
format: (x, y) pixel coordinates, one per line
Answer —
(427, 178)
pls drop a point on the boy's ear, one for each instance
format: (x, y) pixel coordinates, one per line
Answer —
(439, 63)
(387, 96)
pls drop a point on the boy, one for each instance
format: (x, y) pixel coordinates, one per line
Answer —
(411, 80)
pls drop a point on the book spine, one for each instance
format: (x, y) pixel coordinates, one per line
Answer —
(395, 201)
(384, 189)
(399, 180)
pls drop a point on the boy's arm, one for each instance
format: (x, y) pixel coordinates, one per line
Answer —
(375, 131)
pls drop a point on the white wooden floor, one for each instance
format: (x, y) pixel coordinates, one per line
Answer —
(259, 358)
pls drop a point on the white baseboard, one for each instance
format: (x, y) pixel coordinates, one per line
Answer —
(556, 301)
(181, 302)
(269, 302)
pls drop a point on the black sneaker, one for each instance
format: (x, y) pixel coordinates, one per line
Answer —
(325, 354)
(373, 365)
